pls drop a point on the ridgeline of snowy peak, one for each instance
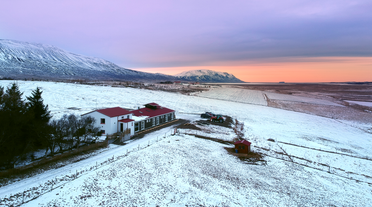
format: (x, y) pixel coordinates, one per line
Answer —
(20, 60)
(208, 76)
(28, 60)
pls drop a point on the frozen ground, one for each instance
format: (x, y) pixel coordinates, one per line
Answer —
(363, 103)
(184, 170)
(235, 95)
(180, 170)
(285, 97)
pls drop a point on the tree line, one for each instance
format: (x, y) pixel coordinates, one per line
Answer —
(26, 126)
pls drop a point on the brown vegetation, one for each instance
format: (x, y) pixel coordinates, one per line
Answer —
(255, 158)
(336, 93)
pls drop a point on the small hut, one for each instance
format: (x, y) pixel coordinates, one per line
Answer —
(242, 146)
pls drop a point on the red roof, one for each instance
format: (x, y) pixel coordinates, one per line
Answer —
(152, 112)
(113, 112)
(126, 120)
(245, 142)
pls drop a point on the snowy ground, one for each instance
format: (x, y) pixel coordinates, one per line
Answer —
(285, 97)
(182, 169)
(235, 95)
(363, 103)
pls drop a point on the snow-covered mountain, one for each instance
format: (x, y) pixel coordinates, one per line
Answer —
(208, 76)
(29, 60)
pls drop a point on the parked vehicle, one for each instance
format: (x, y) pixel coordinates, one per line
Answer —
(218, 118)
(207, 115)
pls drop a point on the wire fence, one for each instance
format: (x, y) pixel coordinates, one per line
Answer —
(35, 192)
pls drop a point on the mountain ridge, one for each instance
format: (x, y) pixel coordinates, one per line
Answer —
(204, 75)
(23, 60)
(28, 60)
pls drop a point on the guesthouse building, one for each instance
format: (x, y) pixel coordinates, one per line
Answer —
(119, 120)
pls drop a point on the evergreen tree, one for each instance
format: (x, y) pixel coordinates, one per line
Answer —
(39, 128)
(35, 104)
(1, 97)
(14, 125)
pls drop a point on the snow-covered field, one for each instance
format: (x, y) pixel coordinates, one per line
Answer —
(184, 170)
(235, 95)
(363, 103)
(285, 97)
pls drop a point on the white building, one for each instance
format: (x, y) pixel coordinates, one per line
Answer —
(113, 120)
(118, 120)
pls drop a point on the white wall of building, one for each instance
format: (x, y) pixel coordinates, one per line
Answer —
(113, 127)
(98, 116)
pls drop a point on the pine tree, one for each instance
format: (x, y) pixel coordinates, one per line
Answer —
(1, 96)
(40, 129)
(35, 104)
(14, 122)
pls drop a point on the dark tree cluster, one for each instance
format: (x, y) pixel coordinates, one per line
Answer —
(70, 132)
(26, 126)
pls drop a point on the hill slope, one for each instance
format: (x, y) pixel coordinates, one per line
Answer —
(30, 60)
(208, 76)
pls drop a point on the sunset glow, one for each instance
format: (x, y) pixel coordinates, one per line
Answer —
(336, 69)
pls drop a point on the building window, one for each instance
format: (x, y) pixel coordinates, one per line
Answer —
(136, 127)
(103, 121)
(103, 131)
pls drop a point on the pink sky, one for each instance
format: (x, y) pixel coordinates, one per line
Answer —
(257, 40)
(335, 69)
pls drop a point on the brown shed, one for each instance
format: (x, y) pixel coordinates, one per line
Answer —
(242, 146)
